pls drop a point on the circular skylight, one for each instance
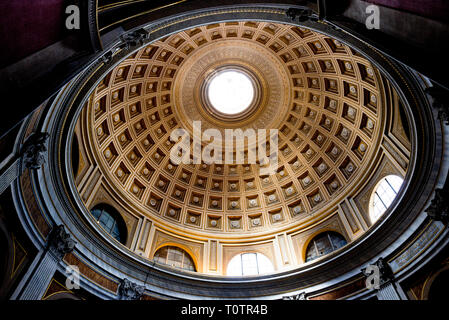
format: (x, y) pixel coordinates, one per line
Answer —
(230, 92)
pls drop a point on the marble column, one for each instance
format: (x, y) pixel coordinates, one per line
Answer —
(31, 156)
(40, 278)
(388, 292)
(10, 174)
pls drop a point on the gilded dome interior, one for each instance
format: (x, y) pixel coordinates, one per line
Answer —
(325, 99)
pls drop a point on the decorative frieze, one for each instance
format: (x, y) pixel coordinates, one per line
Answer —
(418, 246)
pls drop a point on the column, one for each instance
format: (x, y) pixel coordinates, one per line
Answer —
(388, 292)
(40, 278)
(31, 156)
(58, 245)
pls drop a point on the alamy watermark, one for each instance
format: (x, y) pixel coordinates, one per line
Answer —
(373, 19)
(212, 153)
(372, 280)
(73, 19)
(73, 277)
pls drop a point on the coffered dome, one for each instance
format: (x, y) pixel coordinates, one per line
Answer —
(322, 96)
(325, 100)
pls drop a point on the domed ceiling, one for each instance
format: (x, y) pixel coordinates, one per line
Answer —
(324, 98)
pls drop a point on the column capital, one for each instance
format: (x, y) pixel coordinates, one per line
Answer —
(386, 275)
(135, 38)
(60, 242)
(129, 290)
(33, 150)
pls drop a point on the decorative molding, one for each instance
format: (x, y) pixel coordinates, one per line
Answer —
(92, 23)
(350, 217)
(394, 153)
(129, 290)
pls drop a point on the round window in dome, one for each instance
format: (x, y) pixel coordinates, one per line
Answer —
(230, 92)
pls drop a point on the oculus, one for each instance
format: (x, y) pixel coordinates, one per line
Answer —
(230, 92)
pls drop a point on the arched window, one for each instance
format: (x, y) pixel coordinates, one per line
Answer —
(323, 244)
(174, 257)
(111, 221)
(250, 263)
(383, 195)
